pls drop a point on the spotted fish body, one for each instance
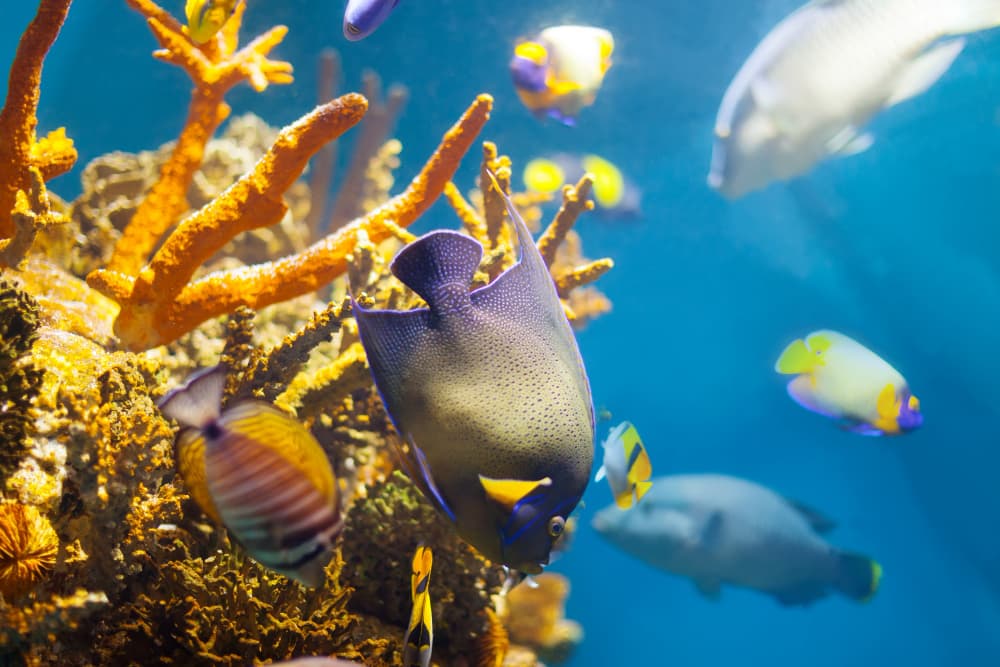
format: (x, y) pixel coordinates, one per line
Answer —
(260, 473)
(488, 390)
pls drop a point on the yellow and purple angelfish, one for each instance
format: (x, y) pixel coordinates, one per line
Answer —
(559, 72)
(258, 472)
(488, 392)
(419, 640)
(206, 17)
(626, 465)
(617, 197)
(363, 17)
(839, 378)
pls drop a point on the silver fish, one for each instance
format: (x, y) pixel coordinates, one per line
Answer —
(488, 390)
(717, 529)
(810, 86)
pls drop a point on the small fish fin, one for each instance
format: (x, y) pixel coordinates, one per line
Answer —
(850, 142)
(624, 499)
(199, 400)
(558, 116)
(819, 343)
(923, 71)
(708, 587)
(858, 577)
(507, 493)
(425, 480)
(862, 428)
(637, 465)
(439, 266)
(285, 436)
(609, 184)
(800, 389)
(601, 473)
(797, 358)
(190, 456)
(641, 489)
(711, 530)
(886, 404)
(802, 595)
(560, 87)
(819, 522)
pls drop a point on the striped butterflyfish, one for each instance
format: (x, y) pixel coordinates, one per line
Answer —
(626, 465)
(419, 638)
(258, 472)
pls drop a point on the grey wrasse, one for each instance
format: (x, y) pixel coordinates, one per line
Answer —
(718, 530)
(811, 85)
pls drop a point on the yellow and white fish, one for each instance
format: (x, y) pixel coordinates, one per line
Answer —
(626, 465)
(560, 71)
(258, 472)
(617, 197)
(206, 17)
(419, 640)
(839, 378)
(813, 83)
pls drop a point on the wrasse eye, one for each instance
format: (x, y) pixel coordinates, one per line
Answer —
(556, 526)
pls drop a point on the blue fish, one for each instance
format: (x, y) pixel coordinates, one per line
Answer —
(489, 394)
(363, 17)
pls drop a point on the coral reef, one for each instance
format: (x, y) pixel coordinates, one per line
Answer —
(104, 556)
(535, 618)
(20, 151)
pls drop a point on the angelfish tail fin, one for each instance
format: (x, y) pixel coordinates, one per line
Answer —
(857, 577)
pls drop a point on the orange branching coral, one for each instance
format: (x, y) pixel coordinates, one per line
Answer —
(31, 214)
(18, 149)
(28, 548)
(152, 312)
(214, 68)
(576, 199)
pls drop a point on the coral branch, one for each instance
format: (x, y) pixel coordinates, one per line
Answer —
(214, 70)
(576, 200)
(494, 209)
(582, 275)
(375, 131)
(324, 163)
(264, 284)
(252, 202)
(31, 213)
(18, 118)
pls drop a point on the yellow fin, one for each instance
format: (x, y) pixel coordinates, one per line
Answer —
(886, 404)
(624, 499)
(641, 468)
(876, 580)
(641, 489)
(508, 492)
(532, 51)
(557, 87)
(543, 175)
(191, 465)
(286, 436)
(797, 358)
(609, 184)
(819, 343)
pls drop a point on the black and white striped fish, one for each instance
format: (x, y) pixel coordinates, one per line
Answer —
(260, 473)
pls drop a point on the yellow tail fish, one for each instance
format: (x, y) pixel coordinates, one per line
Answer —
(419, 640)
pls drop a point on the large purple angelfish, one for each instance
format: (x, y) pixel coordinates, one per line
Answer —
(363, 17)
(488, 390)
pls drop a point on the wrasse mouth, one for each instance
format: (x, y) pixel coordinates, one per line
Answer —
(352, 31)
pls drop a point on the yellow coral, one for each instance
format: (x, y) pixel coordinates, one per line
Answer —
(28, 548)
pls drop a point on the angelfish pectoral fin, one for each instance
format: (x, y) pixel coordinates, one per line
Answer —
(507, 493)
(426, 480)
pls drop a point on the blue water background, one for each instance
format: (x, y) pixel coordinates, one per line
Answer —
(896, 247)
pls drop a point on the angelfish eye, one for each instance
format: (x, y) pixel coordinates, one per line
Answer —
(556, 526)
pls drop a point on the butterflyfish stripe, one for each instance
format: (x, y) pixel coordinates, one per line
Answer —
(271, 497)
(317, 516)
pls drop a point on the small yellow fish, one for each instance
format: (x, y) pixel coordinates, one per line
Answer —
(626, 465)
(560, 71)
(419, 640)
(839, 378)
(258, 472)
(617, 197)
(206, 17)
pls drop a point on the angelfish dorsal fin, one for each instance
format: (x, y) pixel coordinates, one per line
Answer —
(439, 266)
